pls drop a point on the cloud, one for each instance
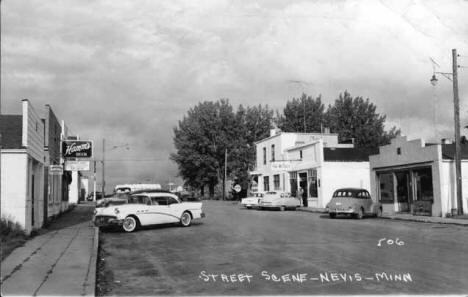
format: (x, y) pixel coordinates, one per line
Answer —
(128, 71)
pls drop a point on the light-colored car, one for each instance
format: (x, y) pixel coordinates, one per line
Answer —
(252, 201)
(149, 208)
(353, 201)
(279, 200)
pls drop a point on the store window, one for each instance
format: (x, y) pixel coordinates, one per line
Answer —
(293, 183)
(272, 152)
(313, 186)
(276, 181)
(264, 155)
(423, 181)
(266, 183)
(386, 187)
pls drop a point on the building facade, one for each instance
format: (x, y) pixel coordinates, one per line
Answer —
(313, 162)
(52, 141)
(418, 178)
(23, 161)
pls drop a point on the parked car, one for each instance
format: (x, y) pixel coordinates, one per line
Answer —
(149, 208)
(116, 199)
(252, 201)
(355, 202)
(91, 196)
(279, 200)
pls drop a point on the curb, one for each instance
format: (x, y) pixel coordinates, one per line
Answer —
(424, 221)
(419, 220)
(89, 287)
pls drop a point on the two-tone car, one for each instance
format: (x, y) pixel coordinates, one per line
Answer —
(279, 200)
(252, 201)
(353, 201)
(149, 208)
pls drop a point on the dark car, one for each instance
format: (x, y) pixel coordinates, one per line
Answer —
(354, 202)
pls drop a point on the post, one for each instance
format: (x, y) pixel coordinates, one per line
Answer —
(103, 166)
(456, 105)
(94, 181)
(225, 174)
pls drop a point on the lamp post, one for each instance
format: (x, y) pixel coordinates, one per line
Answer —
(453, 76)
(103, 161)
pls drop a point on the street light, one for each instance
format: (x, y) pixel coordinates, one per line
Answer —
(453, 76)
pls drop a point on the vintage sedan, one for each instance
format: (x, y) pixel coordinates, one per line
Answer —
(354, 202)
(252, 201)
(149, 208)
(279, 200)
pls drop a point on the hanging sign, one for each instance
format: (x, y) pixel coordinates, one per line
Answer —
(76, 165)
(56, 170)
(77, 149)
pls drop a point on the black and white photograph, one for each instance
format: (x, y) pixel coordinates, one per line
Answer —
(234, 148)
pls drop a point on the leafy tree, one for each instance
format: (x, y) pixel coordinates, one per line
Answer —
(304, 114)
(357, 118)
(208, 131)
(254, 124)
(201, 139)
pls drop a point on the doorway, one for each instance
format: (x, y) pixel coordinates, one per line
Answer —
(32, 200)
(303, 185)
(404, 190)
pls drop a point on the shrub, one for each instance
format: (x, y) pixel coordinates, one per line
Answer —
(9, 228)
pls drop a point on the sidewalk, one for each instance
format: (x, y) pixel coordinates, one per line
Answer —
(404, 217)
(61, 260)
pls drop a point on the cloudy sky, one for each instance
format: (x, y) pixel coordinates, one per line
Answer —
(127, 71)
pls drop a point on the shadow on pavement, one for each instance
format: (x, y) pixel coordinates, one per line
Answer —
(78, 214)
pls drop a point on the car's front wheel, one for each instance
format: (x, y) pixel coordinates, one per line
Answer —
(282, 208)
(186, 219)
(332, 215)
(130, 224)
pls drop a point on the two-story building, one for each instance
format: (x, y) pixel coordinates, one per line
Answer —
(315, 162)
(414, 177)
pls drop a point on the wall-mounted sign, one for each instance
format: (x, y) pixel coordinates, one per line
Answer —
(281, 166)
(76, 165)
(56, 170)
(77, 149)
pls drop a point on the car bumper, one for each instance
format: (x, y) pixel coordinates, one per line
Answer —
(343, 211)
(107, 221)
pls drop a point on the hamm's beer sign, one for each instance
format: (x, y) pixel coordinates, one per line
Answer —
(77, 149)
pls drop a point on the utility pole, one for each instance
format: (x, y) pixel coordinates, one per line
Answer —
(456, 105)
(94, 180)
(103, 166)
(225, 174)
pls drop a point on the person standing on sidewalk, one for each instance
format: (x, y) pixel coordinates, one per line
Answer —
(300, 196)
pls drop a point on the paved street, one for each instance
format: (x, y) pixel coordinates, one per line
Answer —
(235, 251)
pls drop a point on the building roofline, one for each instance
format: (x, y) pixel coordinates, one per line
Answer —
(298, 133)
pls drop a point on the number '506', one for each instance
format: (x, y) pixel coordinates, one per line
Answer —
(385, 241)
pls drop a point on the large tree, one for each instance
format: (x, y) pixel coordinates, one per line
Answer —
(356, 118)
(305, 114)
(201, 139)
(211, 129)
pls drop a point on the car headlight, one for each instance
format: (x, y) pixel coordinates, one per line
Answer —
(116, 211)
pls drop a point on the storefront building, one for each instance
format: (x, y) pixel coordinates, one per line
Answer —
(418, 178)
(22, 165)
(313, 162)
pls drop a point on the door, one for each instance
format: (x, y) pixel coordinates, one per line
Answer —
(403, 186)
(141, 206)
(303, 185)
(161, 211)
